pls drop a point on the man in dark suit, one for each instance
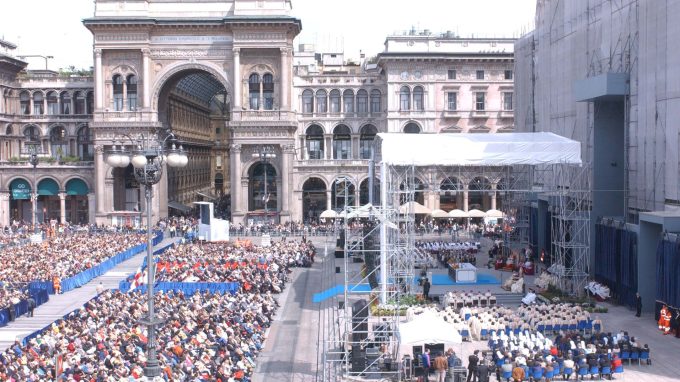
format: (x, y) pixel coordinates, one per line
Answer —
(638, 305)
(473, 360)
(483, 371)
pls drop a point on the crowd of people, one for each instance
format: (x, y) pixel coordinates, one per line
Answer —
(204, 337)
(450, 252)
(62, 256)
(256, 268)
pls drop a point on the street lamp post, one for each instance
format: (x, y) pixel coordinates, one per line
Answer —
(33, 152)
(148, 157)
(264, 154)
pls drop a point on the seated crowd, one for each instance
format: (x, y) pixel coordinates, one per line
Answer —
(252, 266)
(204, 337)
(450, 252)
(62, 256)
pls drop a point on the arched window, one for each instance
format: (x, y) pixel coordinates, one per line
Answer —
(58, 142)
(313, 199)
(368, 133)
(362, 101)
(321, 105)
(405, 98)
(38, 103)
(118, 92)
(65, 102)
(268, 91)
(254, 91)
(52, 103)
(314, 139)
(308, 101)
(9, 131)
(131, 94)
(348, 101)
(342, 142)
(449, 190)
(31, 133)
(335, 101)
(418, 103)
(85, 147)
(90, 102)
(479, 191)
(375, 101)
(363, 192)
(25, 102)
(412, 128)
(79, 98)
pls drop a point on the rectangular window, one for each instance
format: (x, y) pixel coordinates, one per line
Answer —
(451, 101)
(451, 74)
(507, 101)
(315, 149)
(218, 162)
(362, 104)
(479, 101)
(37, 108)
(508, 74)
(118, 102)
(480, 74)
(254, 101)
(132, 104)
(269, 101)
(342, 149)
(375, 104)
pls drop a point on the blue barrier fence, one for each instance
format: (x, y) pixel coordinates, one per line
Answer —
(189, 289)
(39, 295)
(86, 276)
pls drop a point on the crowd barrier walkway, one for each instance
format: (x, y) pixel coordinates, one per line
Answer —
(188, 289)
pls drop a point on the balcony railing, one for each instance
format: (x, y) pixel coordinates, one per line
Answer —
(332, 162)
(263, 115)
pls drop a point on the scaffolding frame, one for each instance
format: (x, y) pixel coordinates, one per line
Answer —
(566, 186)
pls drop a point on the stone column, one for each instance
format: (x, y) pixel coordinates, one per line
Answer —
(62, 207)
(147, 78)
(303, 147)
(465, 197)
(355, 147)
(98, 80)
(328, 145)
(4, 209)
(235, 175)
(357, 195)
(237, 79)
(100, 168)
(286, 178)
(91, 210)
(493, 196)
(328, 200)
(285, 85)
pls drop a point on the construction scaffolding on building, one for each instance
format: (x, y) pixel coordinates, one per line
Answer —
(382, 237)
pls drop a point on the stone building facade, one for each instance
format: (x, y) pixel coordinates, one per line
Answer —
(223, 76)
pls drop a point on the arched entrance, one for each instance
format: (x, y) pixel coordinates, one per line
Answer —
(194, 104)
(76, 201)
(342, 194)
(48, 205)
(20, 206)
(219, 184)
(449, 193)
(363, 192)
(479, 194)
(419, 192)
(313, 199)
(126, 190)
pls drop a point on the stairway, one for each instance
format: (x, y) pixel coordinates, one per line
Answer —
(509, 299)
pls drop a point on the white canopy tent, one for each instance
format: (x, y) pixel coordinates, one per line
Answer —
(476, 149)
(414, 207)
(328, 214)
(439, 214)
(494, 214)
(476, 214)
(427, 329)
(458, 214)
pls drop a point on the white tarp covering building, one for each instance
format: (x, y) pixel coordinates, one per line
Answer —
(506, 149)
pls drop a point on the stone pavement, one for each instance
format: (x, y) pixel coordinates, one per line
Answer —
(60, 305)
(291, 350)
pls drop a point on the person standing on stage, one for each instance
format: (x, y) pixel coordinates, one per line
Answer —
(638, 304)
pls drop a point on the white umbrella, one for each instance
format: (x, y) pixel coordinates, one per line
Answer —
(458, 214)
(414, 207)
(439, 214)
(476, 214)
(328, 214)
(494, 214)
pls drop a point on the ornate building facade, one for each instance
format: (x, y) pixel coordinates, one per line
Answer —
(222, 75)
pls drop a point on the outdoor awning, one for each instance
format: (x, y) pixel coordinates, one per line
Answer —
(476, 214)
(460, 149)
(328, 214)
(439, 214)
(494, 214)
(414, 207)
(20, 189)
(458, 214)
(179, 206)
(76, 187)
(48, 187)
